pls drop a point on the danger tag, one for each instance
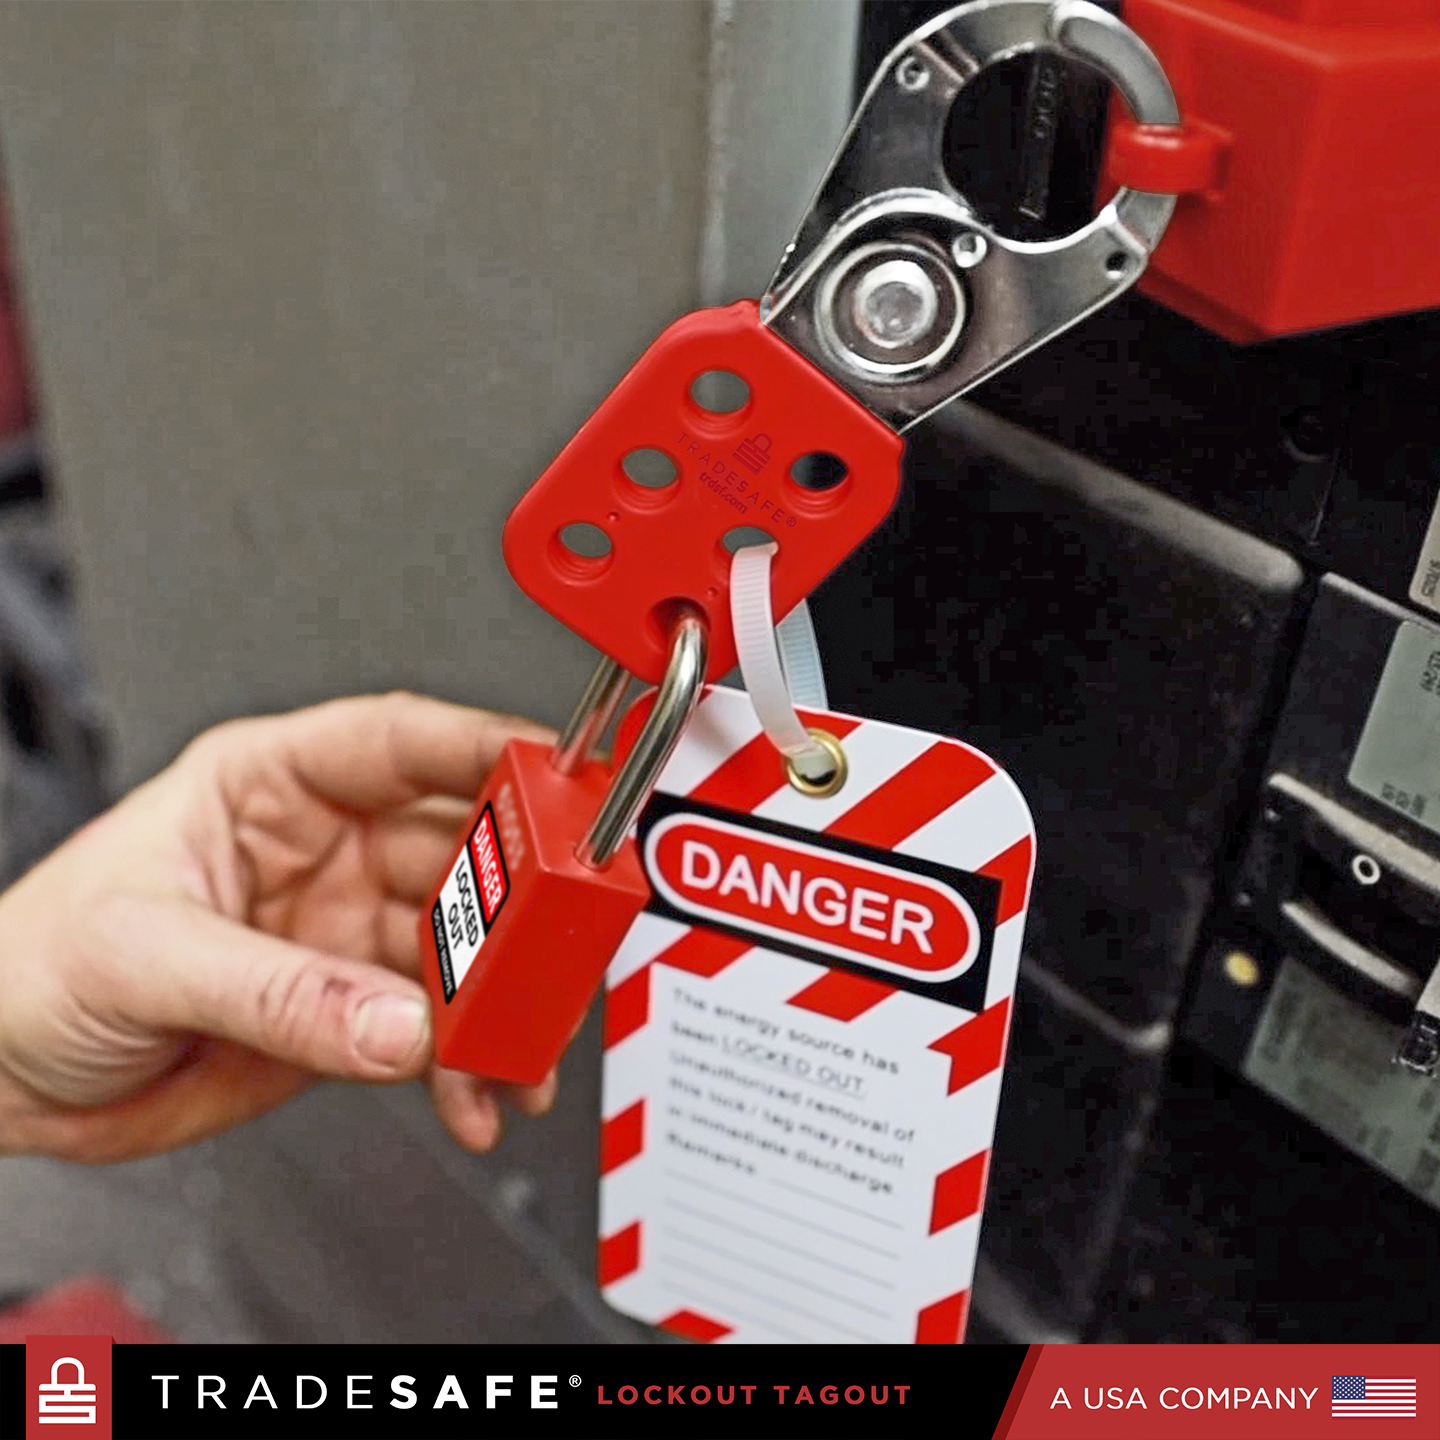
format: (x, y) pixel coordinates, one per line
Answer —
(804, 1035)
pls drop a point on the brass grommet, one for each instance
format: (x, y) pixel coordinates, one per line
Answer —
(820, 789)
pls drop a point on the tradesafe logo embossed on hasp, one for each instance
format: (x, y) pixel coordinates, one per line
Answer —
(838, 905)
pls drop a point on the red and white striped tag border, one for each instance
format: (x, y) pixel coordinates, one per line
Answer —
(909, 792)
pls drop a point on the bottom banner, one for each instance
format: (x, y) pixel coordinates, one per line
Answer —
(404, 1392)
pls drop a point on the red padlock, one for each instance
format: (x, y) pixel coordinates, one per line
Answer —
(535, 902)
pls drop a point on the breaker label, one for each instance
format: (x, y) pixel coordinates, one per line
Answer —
(1332, 1060)
(470, 900)
(1395, 759)
(1425, 583)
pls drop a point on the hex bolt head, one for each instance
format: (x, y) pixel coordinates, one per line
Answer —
(890, 310)
(895, 304)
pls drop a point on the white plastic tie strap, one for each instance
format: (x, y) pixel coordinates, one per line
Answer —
(779, 665)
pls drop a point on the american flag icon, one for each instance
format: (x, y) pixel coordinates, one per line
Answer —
(1360, 1395)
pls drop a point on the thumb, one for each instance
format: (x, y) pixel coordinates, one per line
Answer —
(184, 968)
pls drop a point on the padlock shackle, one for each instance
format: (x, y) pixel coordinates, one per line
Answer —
(674, 704)
(596, 709)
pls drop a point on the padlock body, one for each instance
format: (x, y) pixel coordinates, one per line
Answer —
(732, 471)
(516, 937)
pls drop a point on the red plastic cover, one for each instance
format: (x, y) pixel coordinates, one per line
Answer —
(1309, 187)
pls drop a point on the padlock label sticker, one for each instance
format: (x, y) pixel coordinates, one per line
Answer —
(489, 862)
(470, 902)
(804, 1037)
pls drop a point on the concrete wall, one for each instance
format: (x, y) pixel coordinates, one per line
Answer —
(315, 291)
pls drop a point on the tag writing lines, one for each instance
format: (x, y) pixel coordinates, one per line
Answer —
(806, 1286)
(725, 1225)
(838, 1204)
(783, 1214)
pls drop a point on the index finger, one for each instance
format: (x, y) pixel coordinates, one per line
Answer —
(373, 752)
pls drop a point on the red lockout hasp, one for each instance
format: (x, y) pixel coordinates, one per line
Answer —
(755, 467)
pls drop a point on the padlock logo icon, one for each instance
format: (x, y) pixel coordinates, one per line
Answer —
(68, 1381)
(67, 1402)
(754, 453)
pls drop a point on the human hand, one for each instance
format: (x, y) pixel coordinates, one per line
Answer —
(240, 926)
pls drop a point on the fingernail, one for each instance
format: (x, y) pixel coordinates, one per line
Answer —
(390, 1029)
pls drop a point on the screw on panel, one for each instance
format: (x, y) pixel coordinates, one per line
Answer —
(968, 249)
(1365, 869)
(912, 74)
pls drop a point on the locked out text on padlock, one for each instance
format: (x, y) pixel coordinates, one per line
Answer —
(67, 1404)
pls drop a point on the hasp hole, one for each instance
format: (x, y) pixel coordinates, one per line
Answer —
(818, 471)
(581, 551)
(1117, 262)
(1023, 144)
(743, 535)
(653, 469)
(721, 392)
(586, 542)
